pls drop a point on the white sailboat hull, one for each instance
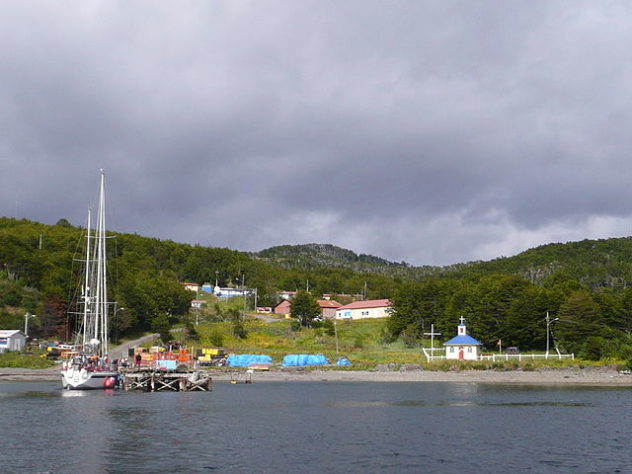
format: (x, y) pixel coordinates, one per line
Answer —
(74, 378)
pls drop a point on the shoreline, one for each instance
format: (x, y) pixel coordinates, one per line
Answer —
(590, 376)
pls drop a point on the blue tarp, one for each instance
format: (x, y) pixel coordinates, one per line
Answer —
(244, 360)
(301, 360)
(343, 361)
(166, 364)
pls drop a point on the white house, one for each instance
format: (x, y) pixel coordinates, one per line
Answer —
(12, 340)
(365, 309)
(229, 292)
(286, 295)
(191, 286)
(462, 347)
(197, 303)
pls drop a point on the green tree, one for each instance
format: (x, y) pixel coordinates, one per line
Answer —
(160, 324)
(237, 323)
(304, 307)
(580, 318)
(63, 223)
(417, 305)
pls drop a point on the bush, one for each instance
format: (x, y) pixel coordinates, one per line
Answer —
(409, 337)
(593, 349)
(239, 330)
(328, 327)
(216, 338)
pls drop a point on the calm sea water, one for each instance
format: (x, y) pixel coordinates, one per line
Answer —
(318, 427)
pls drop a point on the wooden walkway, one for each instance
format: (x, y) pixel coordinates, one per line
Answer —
(165, 381)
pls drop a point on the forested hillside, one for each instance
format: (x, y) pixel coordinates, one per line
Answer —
(39, 274)
(318, 256)
(585, 285)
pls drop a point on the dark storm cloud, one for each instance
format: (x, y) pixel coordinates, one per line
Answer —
(432, 132)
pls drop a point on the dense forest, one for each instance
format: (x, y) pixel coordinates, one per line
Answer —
(585, 286)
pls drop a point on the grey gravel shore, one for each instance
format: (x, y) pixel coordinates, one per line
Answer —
(590, 376)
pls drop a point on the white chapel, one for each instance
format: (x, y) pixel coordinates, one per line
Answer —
(462, 346)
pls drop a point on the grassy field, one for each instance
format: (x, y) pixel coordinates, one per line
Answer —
(360, 341)
(357, 340)
(24, 360)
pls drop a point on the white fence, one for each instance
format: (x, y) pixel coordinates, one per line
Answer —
(500, 357)
(520, 357)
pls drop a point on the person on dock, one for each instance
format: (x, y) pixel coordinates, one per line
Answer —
(138, 359)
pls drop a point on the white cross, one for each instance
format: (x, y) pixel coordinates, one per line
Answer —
(462, 319)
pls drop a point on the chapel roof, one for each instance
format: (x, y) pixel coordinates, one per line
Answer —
(463, 340)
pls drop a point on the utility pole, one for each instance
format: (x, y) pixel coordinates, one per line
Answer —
(548, 330)
(336, 335)
(27, 316)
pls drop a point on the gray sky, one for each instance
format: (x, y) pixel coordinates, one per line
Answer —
(434, 132)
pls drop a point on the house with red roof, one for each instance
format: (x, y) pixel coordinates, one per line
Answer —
(286, 295)
(328, 308)
(191, 286)
(365, 309)
(284, 307)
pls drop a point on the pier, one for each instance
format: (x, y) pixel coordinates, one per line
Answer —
(165, 381)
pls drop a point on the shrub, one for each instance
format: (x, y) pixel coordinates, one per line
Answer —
(593, 349)
(409, 337)
(216, 338)
(239, 330)
(328, 327)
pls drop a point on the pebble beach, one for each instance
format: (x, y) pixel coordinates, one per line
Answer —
(589, 376)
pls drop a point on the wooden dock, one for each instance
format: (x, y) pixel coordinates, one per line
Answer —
(166, 381)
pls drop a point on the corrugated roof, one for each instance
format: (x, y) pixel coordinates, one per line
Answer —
(463, 341)
(367, 304)
(9, 332)
(328, 304)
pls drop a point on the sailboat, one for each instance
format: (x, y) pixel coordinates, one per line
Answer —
(88, 368)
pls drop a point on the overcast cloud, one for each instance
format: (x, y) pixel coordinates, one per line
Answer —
(433, 132)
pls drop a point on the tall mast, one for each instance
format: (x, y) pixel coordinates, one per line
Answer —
(102, 299)
(86, 288)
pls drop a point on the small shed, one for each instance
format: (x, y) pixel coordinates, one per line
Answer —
(284, 307)
(462, 347)
(328, 308)
(12, 340)
(197, 303)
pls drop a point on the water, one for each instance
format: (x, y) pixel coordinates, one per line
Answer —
(317, 427)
